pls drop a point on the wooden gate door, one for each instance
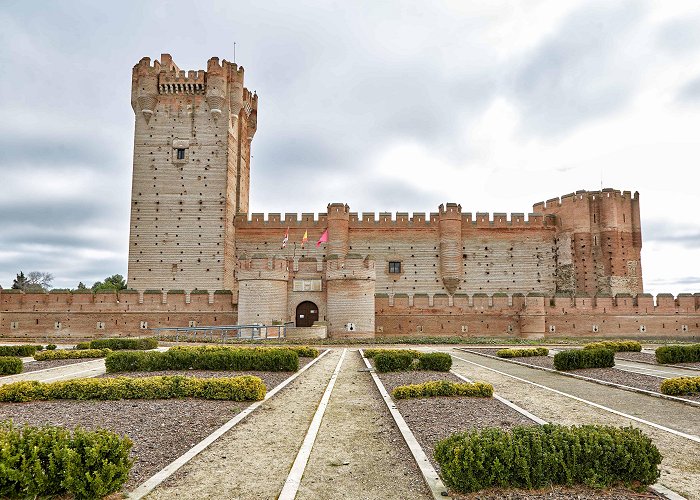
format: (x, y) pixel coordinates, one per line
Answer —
(307, 313)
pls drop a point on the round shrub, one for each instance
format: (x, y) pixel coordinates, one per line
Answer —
(680, 386)
(10, 365)
(538, 456)
(50, 461)
(584, 358)
(678, 354)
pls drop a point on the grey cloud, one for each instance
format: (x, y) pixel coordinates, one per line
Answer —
(680, 35)
(690, 92)
(580, 73)
(686, 236)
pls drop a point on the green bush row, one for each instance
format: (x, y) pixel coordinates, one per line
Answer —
(198, 358)
(584, 358)
(616, 345)
(522, 353)
(539, 456)
(678, 354)
(120, 344)
(443, 388)
(301, 350)
(371, 353)
(19, 350)
(245, 388)
(680, 385)
(49, 461)
(9, 365)
(71, 354)
(399, 360)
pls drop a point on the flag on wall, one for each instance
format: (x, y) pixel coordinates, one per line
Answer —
(286, 238)
(323, 238)
(305, 238)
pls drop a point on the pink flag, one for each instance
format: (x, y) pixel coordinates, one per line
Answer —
(323, 238)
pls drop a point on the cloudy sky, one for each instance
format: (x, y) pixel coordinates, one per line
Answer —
(387, 106)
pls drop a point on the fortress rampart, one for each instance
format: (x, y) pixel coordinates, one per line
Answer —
(87, 315)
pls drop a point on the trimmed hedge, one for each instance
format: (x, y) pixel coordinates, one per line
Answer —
(71, 354)
(124, 344)
(245, 388)
(203, 358)
(584, 358)
(19, 350)
(678, 354)
(616, 345)
(49, 461)
(538, 456)
(522, 353)
(443, 388)
(681, 385)
(371, 353)
(10, 365)
(51, 347)
(435, 361)
(392, 360)
(305, 351)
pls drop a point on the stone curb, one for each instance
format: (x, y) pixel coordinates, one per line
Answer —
(589, 379)
(430, 475)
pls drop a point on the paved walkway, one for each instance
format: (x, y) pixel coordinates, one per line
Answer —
(91, 368)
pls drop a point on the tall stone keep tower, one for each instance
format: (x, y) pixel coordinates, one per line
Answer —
(191, 173)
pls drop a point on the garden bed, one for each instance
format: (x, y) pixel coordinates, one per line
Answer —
(161, 430)
(614, 375)
(433, 419)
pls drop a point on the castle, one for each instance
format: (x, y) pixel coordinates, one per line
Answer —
(196, 255)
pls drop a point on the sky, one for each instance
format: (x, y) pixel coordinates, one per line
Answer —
(386, 106)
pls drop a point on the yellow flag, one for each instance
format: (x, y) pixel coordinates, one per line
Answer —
(305, 238)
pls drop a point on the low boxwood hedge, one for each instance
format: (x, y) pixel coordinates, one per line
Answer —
(10, 365)
(204, 358)
(678, 354)
(124, 344)
(680, 386)
(245, 388)
(19, 350)
(584, 358)
(539, 456)
(50, 461)
(434, 361)
(392, 360)
(371, 353)
(71, 354)
(522, 353)
(616, 345)
(443, 388)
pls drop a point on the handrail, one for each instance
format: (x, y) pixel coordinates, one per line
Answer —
(251, 332)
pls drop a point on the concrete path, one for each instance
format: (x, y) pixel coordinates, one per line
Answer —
(91, 368)
(359, 453)
(681, 464)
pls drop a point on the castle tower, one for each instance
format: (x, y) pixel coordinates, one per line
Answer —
(450, 224)
(599, 242)
(191, 173)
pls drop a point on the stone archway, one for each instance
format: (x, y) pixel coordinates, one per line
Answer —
(307, 314)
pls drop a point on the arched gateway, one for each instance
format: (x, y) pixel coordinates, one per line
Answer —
(307, 313)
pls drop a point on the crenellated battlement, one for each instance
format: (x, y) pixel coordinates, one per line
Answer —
(582, 195)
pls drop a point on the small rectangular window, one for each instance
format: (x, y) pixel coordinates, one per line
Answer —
(395, 267)
(180, 154)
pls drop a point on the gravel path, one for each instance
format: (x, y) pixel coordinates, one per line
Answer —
(359, 452)
(253, 459)
(681, 464)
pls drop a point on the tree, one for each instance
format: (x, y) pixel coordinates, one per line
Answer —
(35, 281)
(114, 282)
(81, 286)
